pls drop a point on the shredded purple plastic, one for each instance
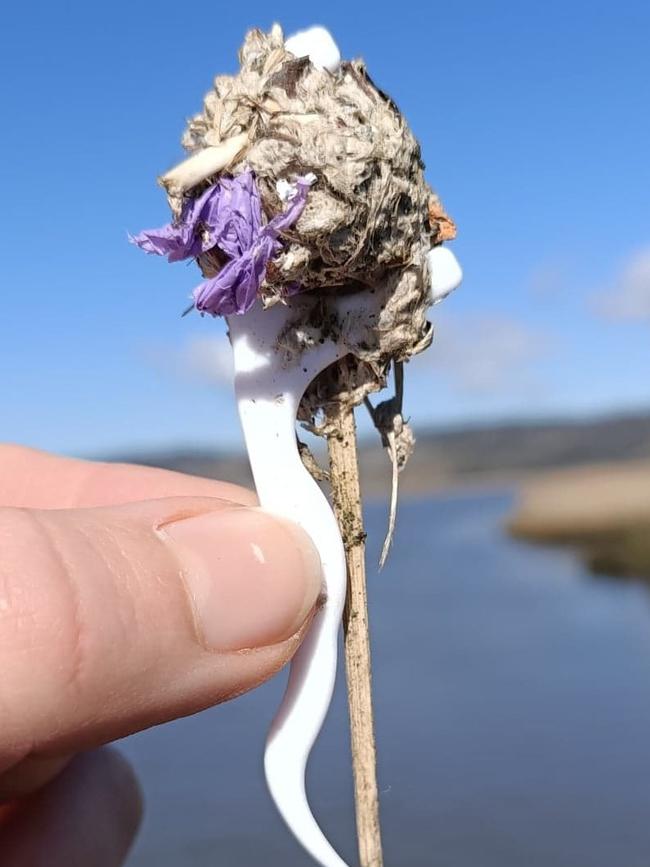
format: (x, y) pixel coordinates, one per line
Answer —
(228, 216)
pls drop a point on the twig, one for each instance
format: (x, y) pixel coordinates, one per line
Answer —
(387, 418)
(394, 493)
(346, 496)
(311, 464)
(203, 164)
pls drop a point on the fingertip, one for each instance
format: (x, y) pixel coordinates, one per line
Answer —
(89, 814)
(123, 787)
(252, 577)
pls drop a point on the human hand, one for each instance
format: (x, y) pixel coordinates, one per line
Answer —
(128, 596)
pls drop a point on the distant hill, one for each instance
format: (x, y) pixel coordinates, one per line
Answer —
(454, 455)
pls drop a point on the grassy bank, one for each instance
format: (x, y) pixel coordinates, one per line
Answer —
(604, 511)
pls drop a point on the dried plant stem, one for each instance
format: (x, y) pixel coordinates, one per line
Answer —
(203, 164)
(346, 496)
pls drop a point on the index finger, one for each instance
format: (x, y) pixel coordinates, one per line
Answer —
(34, 479)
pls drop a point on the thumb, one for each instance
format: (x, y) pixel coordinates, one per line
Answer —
(113, 619)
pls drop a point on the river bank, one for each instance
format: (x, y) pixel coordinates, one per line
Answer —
(603, 510)
(582, 482)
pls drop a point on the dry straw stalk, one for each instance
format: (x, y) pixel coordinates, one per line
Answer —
(346, 498)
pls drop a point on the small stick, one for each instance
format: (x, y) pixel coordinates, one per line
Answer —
(346, 497)
(203, 164)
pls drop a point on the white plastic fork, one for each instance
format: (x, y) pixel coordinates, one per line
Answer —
(268, 394)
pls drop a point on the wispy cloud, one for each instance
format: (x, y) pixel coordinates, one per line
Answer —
(201, 358)
(628, 296)
(476, 354)
(485, 354)
(548, 279)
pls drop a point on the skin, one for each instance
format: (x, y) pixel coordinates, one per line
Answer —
(86, 570)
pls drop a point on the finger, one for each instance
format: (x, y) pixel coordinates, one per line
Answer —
(114, 619)
(37, 480)
(88, 815)
(29, 775)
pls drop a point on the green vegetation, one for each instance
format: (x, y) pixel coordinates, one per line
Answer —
(625, 553)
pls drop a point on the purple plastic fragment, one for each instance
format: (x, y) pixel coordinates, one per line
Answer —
(182, 239)
(228, 216)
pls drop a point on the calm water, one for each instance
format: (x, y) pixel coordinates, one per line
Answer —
(513, 715)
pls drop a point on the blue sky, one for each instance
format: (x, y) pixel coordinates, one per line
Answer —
(535, 130)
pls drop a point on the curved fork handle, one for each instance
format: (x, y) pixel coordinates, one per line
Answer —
(268, 395)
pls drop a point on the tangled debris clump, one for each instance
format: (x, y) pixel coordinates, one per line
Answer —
(370, 218)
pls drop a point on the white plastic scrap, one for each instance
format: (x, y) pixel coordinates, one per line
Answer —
(317, 44)
(287, 190)
(446, 273)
